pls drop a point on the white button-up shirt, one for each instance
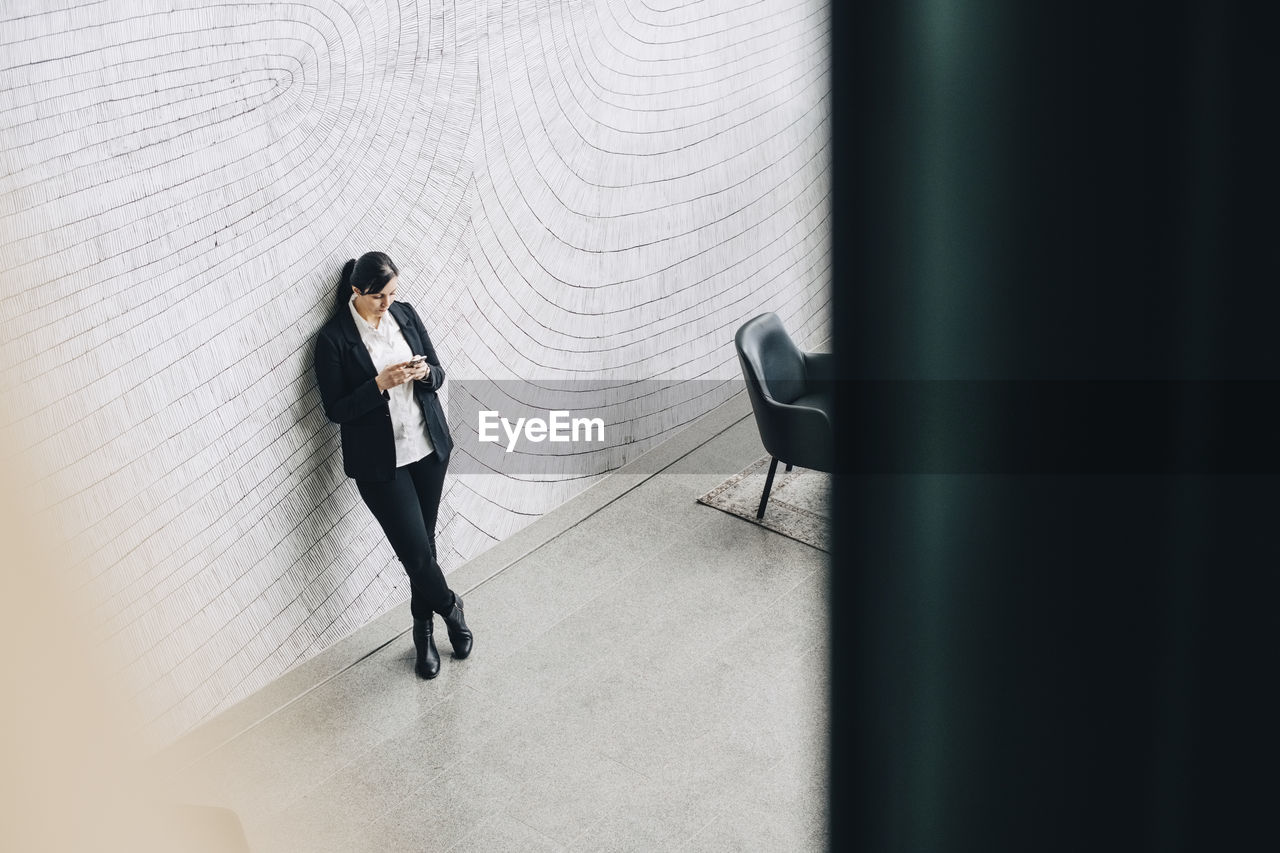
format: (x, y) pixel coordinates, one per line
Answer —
(387, 346)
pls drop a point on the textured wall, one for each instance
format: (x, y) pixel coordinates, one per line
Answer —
(571, 189)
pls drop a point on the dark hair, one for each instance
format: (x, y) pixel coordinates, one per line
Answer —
(370, 274)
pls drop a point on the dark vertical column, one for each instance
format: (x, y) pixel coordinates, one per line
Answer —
(1075, 656)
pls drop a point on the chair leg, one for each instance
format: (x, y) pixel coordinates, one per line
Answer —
(768, 484)
(789, 467)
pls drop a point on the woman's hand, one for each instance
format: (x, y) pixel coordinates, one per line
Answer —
(398, 374)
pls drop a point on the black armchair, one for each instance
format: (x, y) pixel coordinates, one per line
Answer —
(791, 394)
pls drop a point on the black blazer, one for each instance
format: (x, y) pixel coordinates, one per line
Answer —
(351, 397)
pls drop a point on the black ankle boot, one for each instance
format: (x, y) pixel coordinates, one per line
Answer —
(428, 663)
(459, 634)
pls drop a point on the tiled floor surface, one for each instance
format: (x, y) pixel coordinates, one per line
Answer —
(652, 678)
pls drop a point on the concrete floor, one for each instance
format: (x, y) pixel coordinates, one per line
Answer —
(648, 674)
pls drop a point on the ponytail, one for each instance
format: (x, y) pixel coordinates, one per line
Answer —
(344, 286)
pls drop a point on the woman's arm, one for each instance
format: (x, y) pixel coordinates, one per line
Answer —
(341, 407)
(436, 377)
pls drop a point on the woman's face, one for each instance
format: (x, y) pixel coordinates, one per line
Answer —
(376, 304)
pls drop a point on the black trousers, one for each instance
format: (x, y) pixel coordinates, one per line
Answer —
(407, 507)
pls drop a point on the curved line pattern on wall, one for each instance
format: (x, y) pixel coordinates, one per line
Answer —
(573, 190)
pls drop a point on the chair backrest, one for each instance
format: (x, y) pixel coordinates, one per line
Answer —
(771, 358)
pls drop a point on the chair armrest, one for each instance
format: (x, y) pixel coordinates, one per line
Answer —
(799, 434)
(819, 367)
(806, 417)
(820, 372)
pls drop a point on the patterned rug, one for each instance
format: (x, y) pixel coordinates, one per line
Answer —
(799, 503)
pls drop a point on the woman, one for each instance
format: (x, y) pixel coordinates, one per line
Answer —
(378, 377)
